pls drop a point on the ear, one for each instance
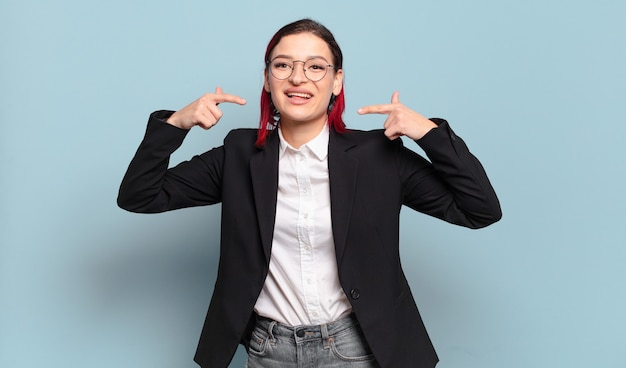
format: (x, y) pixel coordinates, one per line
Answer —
(266, 82)
(338, 82)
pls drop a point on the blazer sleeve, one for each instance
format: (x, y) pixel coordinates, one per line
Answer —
(455, 187)
(149, 186)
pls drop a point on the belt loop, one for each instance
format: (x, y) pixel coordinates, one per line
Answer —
(270, 330)
(325, 338)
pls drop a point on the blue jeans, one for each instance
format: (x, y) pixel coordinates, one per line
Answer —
(339, 344)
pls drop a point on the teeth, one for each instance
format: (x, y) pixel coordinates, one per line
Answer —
(296, 94)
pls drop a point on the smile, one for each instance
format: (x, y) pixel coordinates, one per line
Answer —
(301, 95)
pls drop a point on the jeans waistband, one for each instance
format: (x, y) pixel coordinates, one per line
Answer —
(323, 331)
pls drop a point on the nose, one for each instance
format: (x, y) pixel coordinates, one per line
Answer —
(297, 75)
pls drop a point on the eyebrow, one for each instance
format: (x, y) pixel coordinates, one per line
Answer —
(291, 57)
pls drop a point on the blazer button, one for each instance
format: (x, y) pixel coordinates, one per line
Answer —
(355, 294)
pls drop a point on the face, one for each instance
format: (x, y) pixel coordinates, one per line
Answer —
(298, 99)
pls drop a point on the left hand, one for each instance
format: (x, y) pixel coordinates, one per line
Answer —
(400, 119)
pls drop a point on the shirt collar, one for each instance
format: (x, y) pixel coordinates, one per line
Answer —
(318, 146)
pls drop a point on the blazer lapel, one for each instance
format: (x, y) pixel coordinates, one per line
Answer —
(342, 172)
(264, 172)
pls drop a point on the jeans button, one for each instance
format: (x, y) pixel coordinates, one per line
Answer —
(300, 333)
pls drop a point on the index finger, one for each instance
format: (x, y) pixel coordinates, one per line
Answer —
(225, 97)
(376, 109)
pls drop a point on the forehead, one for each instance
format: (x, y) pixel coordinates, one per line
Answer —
(302, 46)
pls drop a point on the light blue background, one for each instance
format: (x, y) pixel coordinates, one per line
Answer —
(536, 88)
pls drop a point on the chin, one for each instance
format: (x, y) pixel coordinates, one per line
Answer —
(302, 118)
(297, 114)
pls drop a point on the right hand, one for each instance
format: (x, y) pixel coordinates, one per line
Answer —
(203, 111)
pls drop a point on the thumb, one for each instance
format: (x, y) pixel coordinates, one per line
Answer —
(395, 98)
(218, 90)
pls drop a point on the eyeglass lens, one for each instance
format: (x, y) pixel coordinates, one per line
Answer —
(314, 69)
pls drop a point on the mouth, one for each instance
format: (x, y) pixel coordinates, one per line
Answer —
(299, 95)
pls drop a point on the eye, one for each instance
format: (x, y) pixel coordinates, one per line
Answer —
(280, 65)
(317, 67)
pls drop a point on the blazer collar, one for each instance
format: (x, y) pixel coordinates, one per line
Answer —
(342, 172)
(264, 173)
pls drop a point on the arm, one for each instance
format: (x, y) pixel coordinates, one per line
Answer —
(454, 187)
(149, 186)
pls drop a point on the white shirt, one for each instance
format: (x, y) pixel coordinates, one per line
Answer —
(302, 286)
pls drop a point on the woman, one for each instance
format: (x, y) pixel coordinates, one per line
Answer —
(309, 272)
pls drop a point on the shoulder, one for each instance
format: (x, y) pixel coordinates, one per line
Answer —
(367, 139)
(241, 133)
(364, 134)
(241, 137)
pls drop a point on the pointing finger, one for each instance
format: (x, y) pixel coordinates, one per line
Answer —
(382, 108)
(225, 97)
(376, 109)
(220, 97)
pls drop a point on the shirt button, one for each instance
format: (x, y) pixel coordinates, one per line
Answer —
(355, 294)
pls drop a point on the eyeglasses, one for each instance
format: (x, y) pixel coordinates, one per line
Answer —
(315, 69)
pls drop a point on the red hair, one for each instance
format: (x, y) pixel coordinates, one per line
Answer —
(269, 114)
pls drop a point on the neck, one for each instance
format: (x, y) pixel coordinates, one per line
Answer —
(300, 133)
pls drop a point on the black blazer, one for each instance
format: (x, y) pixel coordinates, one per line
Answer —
(370, 177)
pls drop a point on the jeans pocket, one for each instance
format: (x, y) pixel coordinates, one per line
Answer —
(351, 346)
(259, 340)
